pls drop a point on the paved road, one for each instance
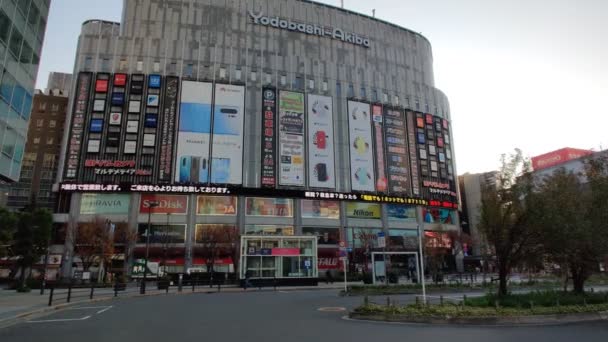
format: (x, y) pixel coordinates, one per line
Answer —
(259, 316)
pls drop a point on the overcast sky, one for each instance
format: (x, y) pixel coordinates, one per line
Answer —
(531, 74)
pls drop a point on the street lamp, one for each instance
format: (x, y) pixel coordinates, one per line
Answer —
(152, 205)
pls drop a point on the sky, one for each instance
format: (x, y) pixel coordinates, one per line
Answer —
(519, 74)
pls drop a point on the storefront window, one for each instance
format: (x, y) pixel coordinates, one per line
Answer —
(263, 229)
(325, 236)
(216, 205)
(435, 215)
(363, 237)
(277, 207)
(320, 209)
(363, 210)
(406, 239)
(216, 233)
(278, 257)
(402, 213)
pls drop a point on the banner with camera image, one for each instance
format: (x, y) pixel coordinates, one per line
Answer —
(321, 164)
(361, 147)
(227, 140)
(291, 138)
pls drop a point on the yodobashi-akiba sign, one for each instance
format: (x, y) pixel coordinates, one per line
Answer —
(286, 24)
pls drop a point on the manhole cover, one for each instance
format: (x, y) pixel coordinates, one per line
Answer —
(332, 309)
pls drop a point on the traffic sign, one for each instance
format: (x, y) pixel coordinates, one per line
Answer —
(342, 244)
(381, 240)
(307, 264)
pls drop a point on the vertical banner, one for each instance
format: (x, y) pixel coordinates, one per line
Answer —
(361, 149)
(321, 165)
(411, 137)
(192, 159)
(396, 147)
(227, 140)
(291, 138)
(77, 128)
(378, 120)
(269, 109)
(167, 128)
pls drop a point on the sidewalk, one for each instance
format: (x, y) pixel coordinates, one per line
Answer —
(13, 303)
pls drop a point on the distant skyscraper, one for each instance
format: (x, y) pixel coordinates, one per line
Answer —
(22, 29)
(59, 81)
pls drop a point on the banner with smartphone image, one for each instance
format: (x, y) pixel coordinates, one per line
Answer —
(291, 138)
(320, 142)
(192, 159)
(361, 147)
(227, 141)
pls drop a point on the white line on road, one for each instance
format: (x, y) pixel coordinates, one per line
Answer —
(87, 308)
(104, 310)
(60, 320)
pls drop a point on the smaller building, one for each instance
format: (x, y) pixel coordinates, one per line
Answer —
(557, 157)
(41, 155)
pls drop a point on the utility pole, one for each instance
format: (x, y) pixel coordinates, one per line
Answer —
(148, 231)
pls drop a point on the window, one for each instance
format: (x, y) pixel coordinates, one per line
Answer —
(298, 83)
(49, 161)
(324, 85)
(140, 66)
(42, 106)
(283, 80)
(237, 74)
(216, 205)
(254, 76)
(39, 122)
(351, 91)
(374, 95)
(54, 107)
(5, 26)
(122, 65)
(222, 72)
(50, 140)
(338, 89)
(15, 42)
(278, 207)
(384, 97)
(156, 66)
(311, 84)
(6, 89)
(363, 92)
(36, 140)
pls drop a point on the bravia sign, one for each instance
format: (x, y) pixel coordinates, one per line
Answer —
(286, 24)
(166, 204)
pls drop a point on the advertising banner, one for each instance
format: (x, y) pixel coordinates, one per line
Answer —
(397, 212)
(291, 138)
(104, 203)
(278, 207)
(320, 209)
(396, 151)
(216, 205)
(321, 166)
(81, 104)
(227, 141)
(167, 129)
(167, 204)
(363, 210)
(192, 160)
(162, 233)
(361, 149)
(378, 120)
(411, 135)
(269, 110)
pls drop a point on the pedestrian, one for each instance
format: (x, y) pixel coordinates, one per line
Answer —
(328, 277)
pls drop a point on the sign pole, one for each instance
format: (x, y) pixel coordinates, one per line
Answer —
(421, 265)
(345, 283)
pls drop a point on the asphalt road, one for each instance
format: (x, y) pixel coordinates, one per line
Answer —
(260, 316)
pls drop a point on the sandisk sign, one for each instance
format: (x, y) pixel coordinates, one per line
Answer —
(167, 204)
(322, 31)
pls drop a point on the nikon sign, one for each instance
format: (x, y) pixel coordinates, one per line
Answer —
(286, 24)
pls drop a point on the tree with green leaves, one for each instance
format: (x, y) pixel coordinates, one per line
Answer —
(505, 217)
(30, 239)
(8, 222)
(573, 216)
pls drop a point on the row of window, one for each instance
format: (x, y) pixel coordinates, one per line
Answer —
(298, 83)
(49, 140)
(40, 123)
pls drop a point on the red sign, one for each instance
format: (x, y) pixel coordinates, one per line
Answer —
(438, 240)
(120, 80)
(329, 259)
(109, 163)
(167, 204)
(285, 251)
(557, 157)
(101, 86)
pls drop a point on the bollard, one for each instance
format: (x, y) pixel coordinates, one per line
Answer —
(417, 301)
(115, 290)
(69, 292)
(275, 283)
(531, 305)
(92, 289)
(51, 296)
(441, 300)
(497, 304)
(192, 285)
(388, 301)
(219, 286)
(167, 289)
(464, 300)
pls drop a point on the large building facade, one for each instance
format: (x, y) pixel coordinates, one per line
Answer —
(272, 120)
(41, 156)
(22, 29)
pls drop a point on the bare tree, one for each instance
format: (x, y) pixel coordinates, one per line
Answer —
(506, 218)
(93, 242)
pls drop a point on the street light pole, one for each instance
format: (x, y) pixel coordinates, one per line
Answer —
(148, 231)
(421, 276)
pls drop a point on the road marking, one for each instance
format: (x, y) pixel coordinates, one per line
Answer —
(332, 309)
(104, 310)
(60, 320)
(87, 308)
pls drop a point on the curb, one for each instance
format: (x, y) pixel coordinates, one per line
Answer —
(485, 321)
